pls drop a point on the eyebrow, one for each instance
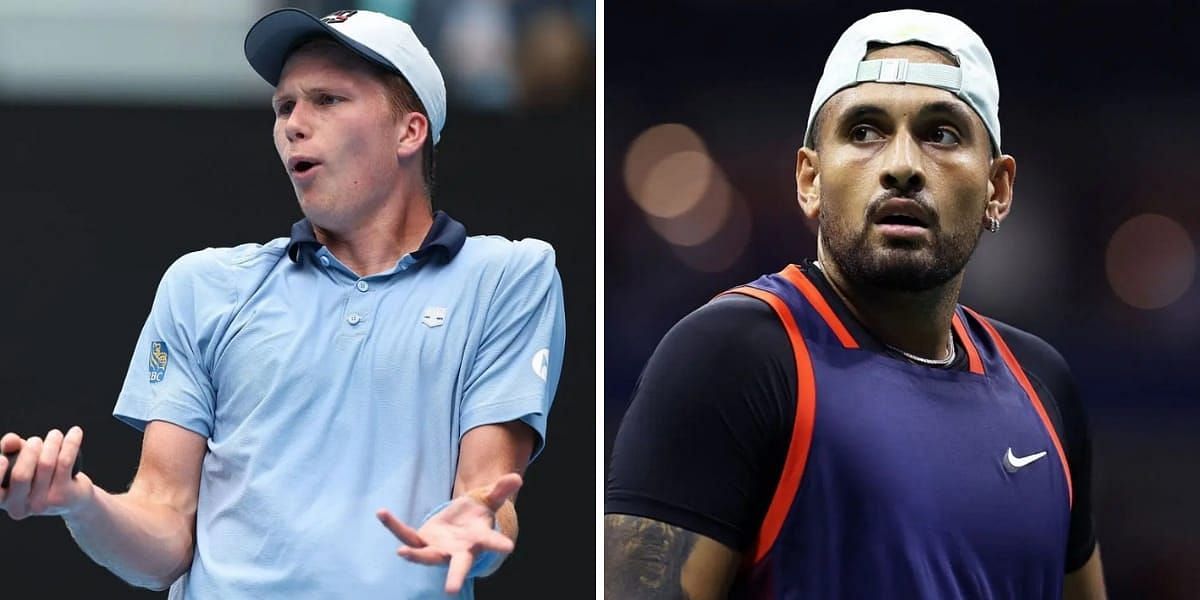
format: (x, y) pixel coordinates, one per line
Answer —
(954, 109)
(860, 111)
(277, 98)
(943, 107)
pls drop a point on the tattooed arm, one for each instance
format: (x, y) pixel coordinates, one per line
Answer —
(648, 559)
(715, 403)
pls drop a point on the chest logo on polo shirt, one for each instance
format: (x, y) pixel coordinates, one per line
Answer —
(1012, 463)
(434, 316)
(158, 361)
(541, 363)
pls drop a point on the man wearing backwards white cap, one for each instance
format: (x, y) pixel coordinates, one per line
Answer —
(294, 394)
(844, 428)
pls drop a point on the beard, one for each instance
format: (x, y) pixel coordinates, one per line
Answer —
(893, 264)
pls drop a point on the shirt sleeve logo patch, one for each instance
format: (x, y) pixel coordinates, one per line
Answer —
(158, 361)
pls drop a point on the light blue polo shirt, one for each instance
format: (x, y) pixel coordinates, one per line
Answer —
(325, 396)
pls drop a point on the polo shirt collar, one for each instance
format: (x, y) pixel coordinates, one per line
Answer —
(445, 237)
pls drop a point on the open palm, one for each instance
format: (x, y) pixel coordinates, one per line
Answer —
(458, 533)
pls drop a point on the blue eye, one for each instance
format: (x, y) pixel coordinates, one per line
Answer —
(284, 108)
(330, 99)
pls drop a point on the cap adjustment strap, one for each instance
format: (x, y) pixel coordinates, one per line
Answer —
(899, 70)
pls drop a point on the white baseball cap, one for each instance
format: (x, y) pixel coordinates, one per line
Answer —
(973, 80)
(378, 38)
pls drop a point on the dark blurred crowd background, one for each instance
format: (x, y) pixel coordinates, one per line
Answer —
(135, 132)
(705, 107)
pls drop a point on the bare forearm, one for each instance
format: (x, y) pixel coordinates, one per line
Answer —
(146, 544)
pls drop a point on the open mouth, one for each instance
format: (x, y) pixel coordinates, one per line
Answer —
(303, 166)
(905, 220)
(903, 217)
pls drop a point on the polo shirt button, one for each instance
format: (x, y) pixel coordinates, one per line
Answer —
(362, 286)
(325, 261)
(353, 319)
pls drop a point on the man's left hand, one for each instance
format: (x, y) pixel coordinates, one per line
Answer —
(458, 533)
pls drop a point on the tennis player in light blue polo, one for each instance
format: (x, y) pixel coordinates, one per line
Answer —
(374, 384)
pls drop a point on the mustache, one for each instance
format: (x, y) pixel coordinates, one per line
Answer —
(920, 197)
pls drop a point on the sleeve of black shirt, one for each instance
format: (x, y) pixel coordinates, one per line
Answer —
(1051, 378)
(704, 440)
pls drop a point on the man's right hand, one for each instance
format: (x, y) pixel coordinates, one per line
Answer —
(41, 481)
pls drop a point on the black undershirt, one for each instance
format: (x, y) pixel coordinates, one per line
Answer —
(704, 440)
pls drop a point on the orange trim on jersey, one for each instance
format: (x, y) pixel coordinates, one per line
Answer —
(1019, 373)
(802, 429)
(973, 361)
(796, 277)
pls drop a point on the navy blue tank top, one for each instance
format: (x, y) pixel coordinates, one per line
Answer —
(907, 481)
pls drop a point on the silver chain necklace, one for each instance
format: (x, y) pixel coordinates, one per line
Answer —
(951, 351)
(932, 362)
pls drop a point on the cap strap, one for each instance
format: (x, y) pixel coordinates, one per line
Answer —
(899, 70)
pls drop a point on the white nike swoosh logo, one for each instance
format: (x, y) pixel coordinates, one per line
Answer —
(1012, 463)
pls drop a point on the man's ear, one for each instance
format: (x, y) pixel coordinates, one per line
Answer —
(808, 182)
(412, 131)
(1000, 188)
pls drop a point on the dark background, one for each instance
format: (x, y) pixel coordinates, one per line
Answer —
(1099, 107)
(99, 200)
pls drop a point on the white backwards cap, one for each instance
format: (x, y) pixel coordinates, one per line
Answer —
(973, 80)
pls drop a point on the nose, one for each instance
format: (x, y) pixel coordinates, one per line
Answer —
(902, 169)
(297, 125)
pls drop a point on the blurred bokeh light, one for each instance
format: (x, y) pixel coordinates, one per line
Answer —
(686, 197)
(727, 244)
(647, 151)
(675, 184)
(1151, 261)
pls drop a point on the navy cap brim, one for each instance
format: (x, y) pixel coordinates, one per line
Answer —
(278, 33)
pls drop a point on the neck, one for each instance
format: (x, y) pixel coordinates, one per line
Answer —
(376, 242)
(915, 322)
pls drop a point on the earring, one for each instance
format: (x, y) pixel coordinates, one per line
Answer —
(993, 224)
